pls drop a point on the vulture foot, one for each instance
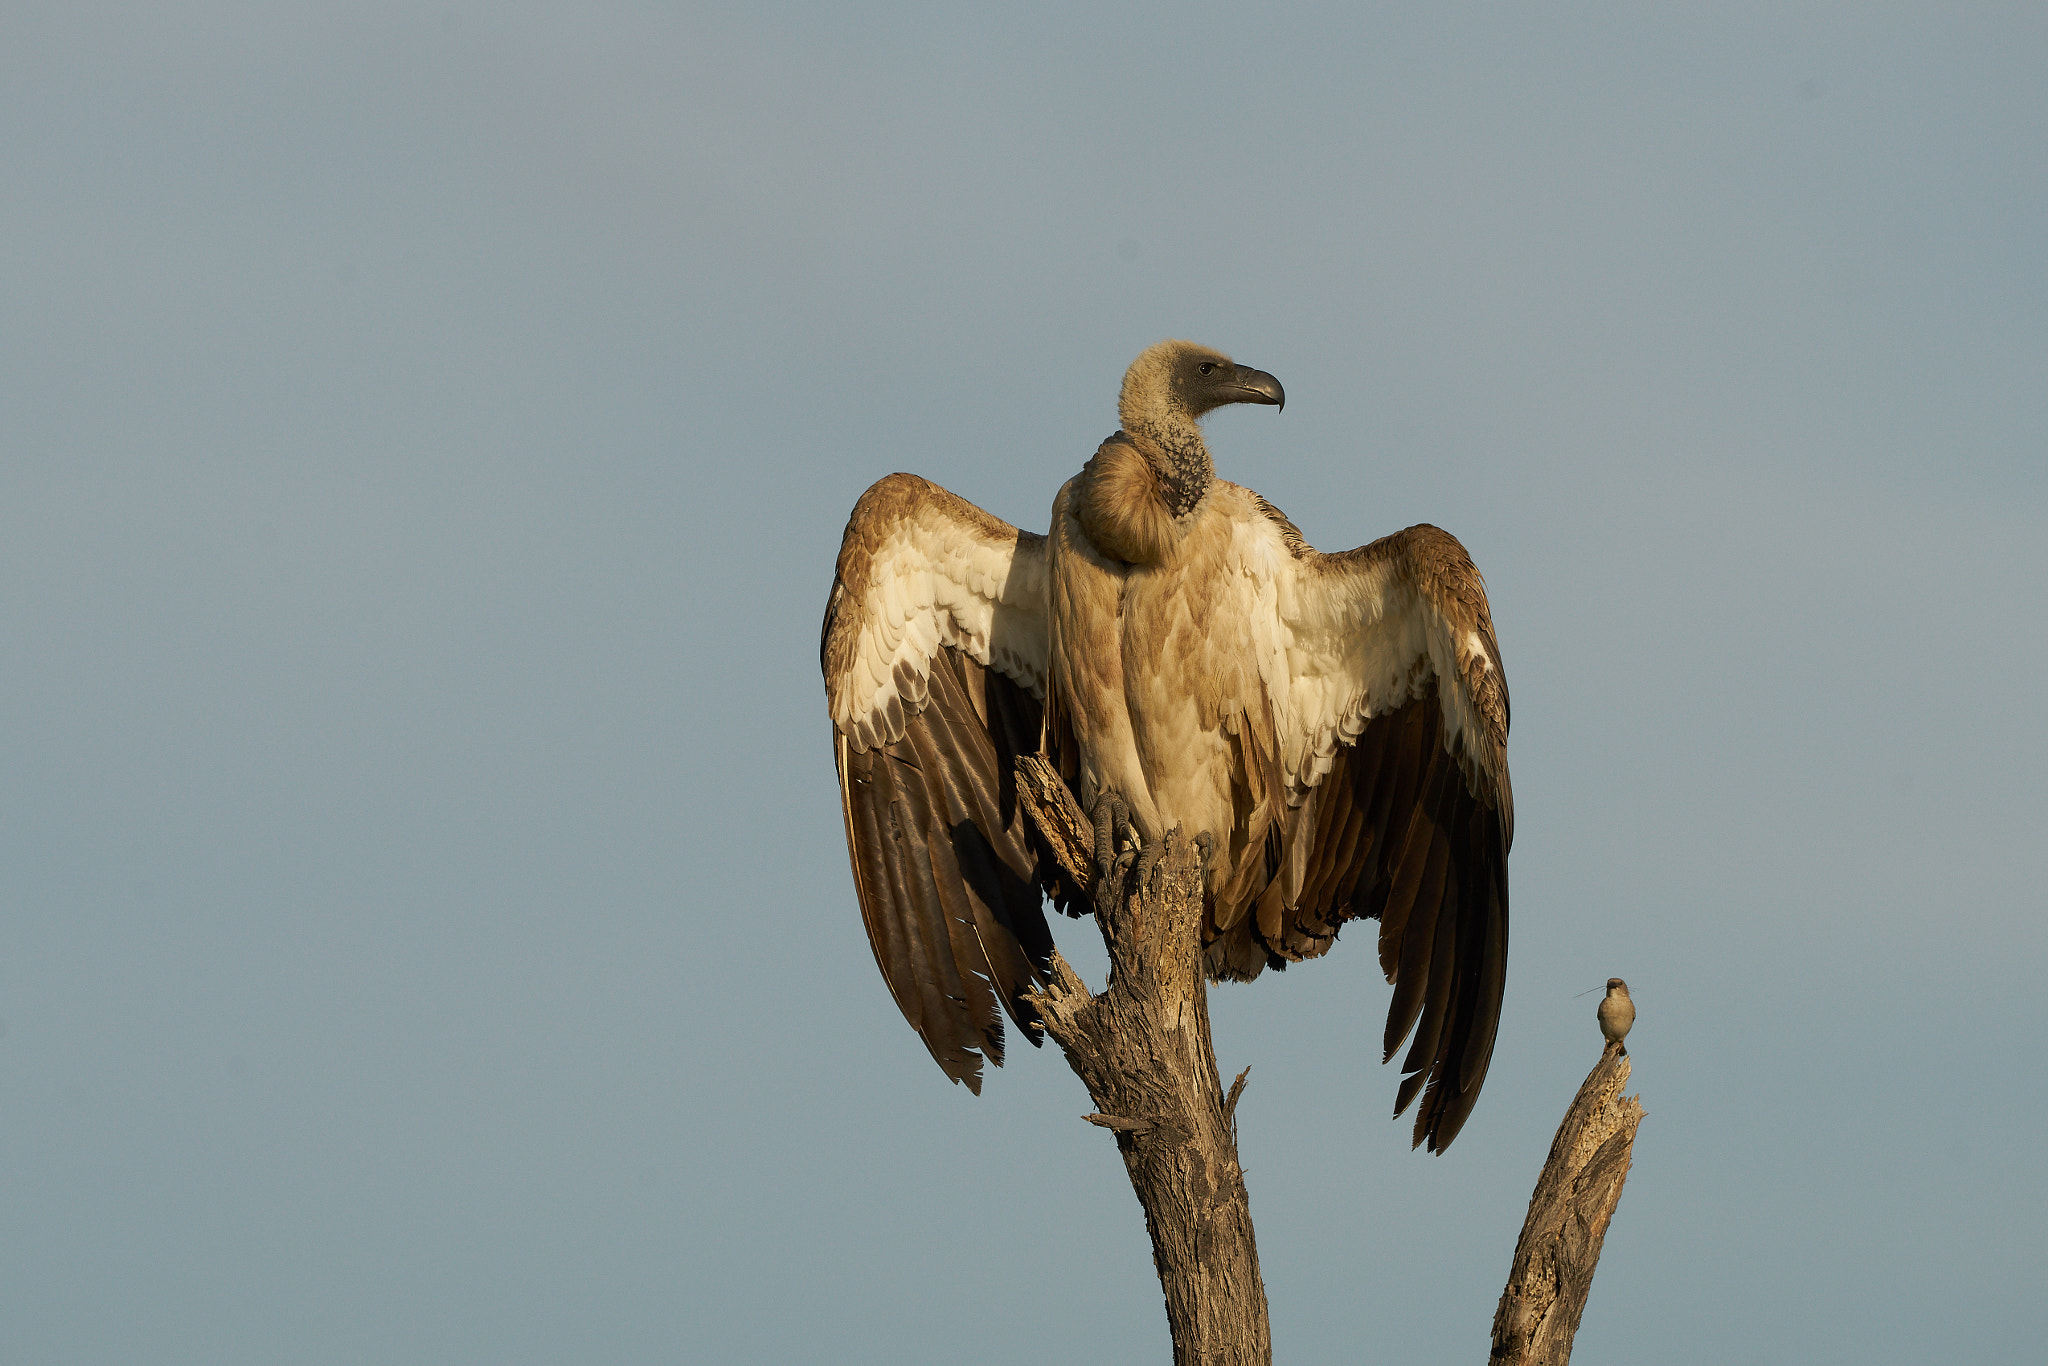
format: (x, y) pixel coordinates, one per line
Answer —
(1116, 839)
(1149, 856)
(1148, 864)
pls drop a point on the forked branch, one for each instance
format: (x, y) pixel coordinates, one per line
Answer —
(1143, 1049)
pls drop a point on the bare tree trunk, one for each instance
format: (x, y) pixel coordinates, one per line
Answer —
(1568, 1217)
(1143, 1049)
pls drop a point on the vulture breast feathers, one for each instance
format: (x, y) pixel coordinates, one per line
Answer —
(1336, 723)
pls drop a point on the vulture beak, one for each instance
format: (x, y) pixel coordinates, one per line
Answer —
(1256, 386)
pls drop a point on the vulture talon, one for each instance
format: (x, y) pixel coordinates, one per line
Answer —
(1130, 844)
(1112, 824)
(1127, 834)
(1205, 845)
(1148, 865)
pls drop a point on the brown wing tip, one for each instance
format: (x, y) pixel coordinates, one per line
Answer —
(1410, 1084)
(1442, 1115)
(962, 1066)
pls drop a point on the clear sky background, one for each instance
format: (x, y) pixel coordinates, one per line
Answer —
(425, 435)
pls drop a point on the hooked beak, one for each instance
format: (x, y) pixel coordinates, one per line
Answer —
(1256, 386)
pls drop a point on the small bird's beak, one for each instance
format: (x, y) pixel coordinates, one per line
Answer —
(1259, 387)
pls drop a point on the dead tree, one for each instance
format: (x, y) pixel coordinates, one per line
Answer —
(1142, 1047)
(1568, 1216)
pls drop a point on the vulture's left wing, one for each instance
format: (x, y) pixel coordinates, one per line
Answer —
(934, 654)
(1392, 713)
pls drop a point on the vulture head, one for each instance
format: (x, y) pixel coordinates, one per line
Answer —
(1166, 391)
(1175, 382)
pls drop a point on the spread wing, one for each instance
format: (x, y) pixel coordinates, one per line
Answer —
(1391, 713)
(934, 653)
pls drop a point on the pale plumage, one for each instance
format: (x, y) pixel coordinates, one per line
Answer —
(1337, 723)
(1617, 1014)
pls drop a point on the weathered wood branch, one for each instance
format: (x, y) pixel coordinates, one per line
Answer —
(1143, 1049)
(1067, 830)
(1568, 1216)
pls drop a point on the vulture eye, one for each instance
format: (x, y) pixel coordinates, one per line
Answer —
(1206, 366)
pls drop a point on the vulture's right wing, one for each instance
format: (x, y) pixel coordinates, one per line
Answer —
(934, 654)
(1393, 740)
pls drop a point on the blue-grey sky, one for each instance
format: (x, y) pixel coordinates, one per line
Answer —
(425, 433)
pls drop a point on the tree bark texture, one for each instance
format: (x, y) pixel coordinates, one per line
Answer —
(1568, 1216)
(1143, 1049)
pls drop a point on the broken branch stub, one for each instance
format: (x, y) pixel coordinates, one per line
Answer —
(1569, 1212)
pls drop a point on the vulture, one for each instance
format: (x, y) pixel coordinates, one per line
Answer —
(1335, 725)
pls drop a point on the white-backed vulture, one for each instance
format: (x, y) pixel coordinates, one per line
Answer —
(1337, 724)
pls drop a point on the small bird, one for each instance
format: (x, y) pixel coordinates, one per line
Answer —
(1617, 1012)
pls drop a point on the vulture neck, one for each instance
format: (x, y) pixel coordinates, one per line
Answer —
(1174, 449)
(1140, 492)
